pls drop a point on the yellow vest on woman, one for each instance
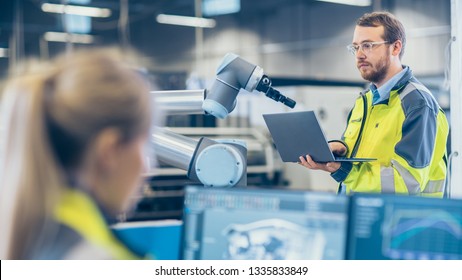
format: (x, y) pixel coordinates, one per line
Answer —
(77, 211)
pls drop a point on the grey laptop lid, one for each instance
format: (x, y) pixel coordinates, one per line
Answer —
(298, 134)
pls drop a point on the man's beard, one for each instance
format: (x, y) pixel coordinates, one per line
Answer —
(377, 76)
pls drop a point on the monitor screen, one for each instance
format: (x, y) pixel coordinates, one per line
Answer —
(403, 227)
(158, 240)
(263, 224)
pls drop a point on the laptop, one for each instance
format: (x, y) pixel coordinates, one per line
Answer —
(298, 134)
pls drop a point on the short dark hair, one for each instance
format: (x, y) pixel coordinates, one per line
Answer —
(394, 29)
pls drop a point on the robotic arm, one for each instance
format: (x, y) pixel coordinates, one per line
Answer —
(213, 163)
(233, 74)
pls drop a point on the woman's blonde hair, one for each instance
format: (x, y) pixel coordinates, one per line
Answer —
(49, 115)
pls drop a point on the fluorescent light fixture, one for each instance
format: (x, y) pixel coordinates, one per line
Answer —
(362, 3)
(186, 21)
(69, 37)
(220, 7)
(76, 10)
(77, 24)
(4, 52)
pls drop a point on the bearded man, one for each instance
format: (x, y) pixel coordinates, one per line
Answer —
(397, 121)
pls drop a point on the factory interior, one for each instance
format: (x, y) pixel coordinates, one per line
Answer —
(215, 186)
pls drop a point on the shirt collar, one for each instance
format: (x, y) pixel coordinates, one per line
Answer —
(384, 90)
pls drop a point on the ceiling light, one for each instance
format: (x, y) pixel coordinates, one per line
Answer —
(4, 52)
(361, 3)
(186, 21)
(220, 7)
(69, 37)
(76, 10)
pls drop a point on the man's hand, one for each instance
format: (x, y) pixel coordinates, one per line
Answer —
(337, 148)
(310, 164)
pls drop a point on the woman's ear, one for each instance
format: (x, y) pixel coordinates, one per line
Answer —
(105, 150)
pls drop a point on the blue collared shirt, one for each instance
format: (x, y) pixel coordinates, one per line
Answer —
(383, 93)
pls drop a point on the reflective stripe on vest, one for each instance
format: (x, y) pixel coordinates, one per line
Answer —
(387, 179)
(412, 185)
(436, 186)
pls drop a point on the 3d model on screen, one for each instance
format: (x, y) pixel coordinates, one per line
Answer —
(273, 239)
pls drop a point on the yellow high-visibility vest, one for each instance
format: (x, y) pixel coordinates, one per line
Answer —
(406, 133)
(78, 211)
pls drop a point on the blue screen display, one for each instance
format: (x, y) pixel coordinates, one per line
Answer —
(402, 227)
(263, 224)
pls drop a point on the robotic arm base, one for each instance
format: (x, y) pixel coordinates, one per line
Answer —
(216, 164)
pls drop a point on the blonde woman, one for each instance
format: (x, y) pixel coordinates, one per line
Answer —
(72, 154)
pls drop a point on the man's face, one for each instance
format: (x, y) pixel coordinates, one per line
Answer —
(372, 65)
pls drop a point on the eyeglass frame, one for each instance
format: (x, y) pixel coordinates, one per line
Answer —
(353, 49)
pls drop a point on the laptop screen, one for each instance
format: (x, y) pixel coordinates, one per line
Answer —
(263, 224)
(298, 134)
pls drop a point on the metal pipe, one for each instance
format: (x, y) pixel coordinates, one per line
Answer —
(180, 102)
(173, 149)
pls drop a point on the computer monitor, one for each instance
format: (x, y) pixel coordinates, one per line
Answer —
(403, 227)
(263, 224)
(158, 240)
